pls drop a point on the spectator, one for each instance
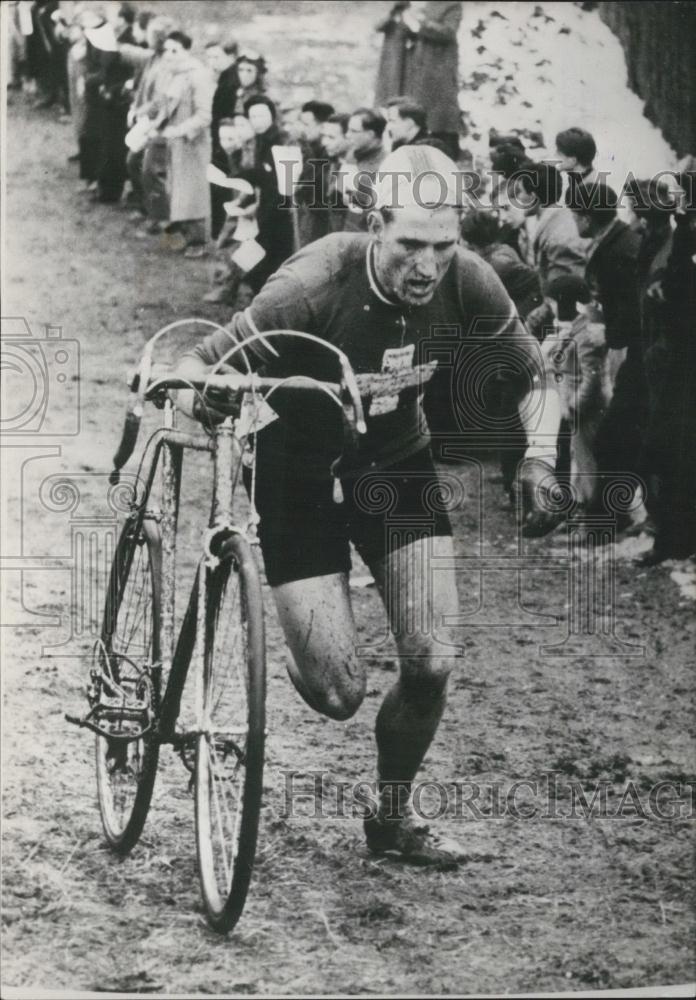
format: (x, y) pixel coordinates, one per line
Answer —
(77, 64)
(335, 142)
(111, 83)
(482, 231)
(221, 58)
(507, 157)
(420, 58)
(364, 136)
(236, 140)
(672, 429)
(147, 164)
(612, 277)
(398, 39)
(124, 24)
(273, 215)
(186, 123)
(140, 28)
(47, 55)
(667, 462)
(17, 23)
(653, 206)
(290, 124)
(553, 245)
(251, 70)
(406, 122)
(577, 358)
(312, 212)
(575, 152)
(313, 114)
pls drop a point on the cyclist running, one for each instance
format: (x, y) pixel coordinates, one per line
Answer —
(378, 296)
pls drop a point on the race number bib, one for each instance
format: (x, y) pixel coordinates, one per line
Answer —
(396, 359)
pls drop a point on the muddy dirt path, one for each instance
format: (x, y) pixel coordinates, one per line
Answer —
(545, 903)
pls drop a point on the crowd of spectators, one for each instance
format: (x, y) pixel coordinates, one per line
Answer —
(212, 165)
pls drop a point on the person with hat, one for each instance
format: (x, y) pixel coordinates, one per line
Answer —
(377, 296)
(273, 214)
(251, 69)
(114, 81)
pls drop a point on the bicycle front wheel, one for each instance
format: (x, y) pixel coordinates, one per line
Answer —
(130, 646)
(230, 746)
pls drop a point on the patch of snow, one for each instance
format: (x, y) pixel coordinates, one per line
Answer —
(567, 68)
(685, 578)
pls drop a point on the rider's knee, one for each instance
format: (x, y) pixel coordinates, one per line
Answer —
(424, 671)
(341, 699)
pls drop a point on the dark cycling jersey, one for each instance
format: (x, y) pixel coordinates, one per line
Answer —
(330, 289)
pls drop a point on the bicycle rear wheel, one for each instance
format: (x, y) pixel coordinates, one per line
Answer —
(230, 747)
(130, 646)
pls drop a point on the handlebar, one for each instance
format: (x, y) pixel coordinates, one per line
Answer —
(144, 388)
(236, 382)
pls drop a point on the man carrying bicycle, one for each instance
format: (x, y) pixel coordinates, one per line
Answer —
(379, 297)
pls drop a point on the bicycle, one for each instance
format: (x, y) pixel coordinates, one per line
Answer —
(139, 668)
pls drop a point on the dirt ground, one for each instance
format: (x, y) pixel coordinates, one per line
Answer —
(543, 903)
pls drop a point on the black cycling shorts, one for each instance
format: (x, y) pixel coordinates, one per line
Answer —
(305, 532)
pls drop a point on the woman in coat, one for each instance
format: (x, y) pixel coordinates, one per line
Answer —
(187, 114)
(251, 69)
(273, 216)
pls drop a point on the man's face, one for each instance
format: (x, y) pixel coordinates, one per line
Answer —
(358, 137)
(333, 140)
(510, 212)
(174, 51)
(243, 129)
(260, 118)
(229, 138)
(155, 38)
(583, 224)
(399, 128)
(292, 126)
(139, 34)
(566, 163)
(218, 59)
(247, 74)
(414, 249)
(311, 128)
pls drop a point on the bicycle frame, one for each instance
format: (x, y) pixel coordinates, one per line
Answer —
(178, 656)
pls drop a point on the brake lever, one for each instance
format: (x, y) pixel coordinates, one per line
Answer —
(134, 415)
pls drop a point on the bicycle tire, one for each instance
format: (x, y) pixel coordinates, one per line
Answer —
(128, 770)
(232, 755)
